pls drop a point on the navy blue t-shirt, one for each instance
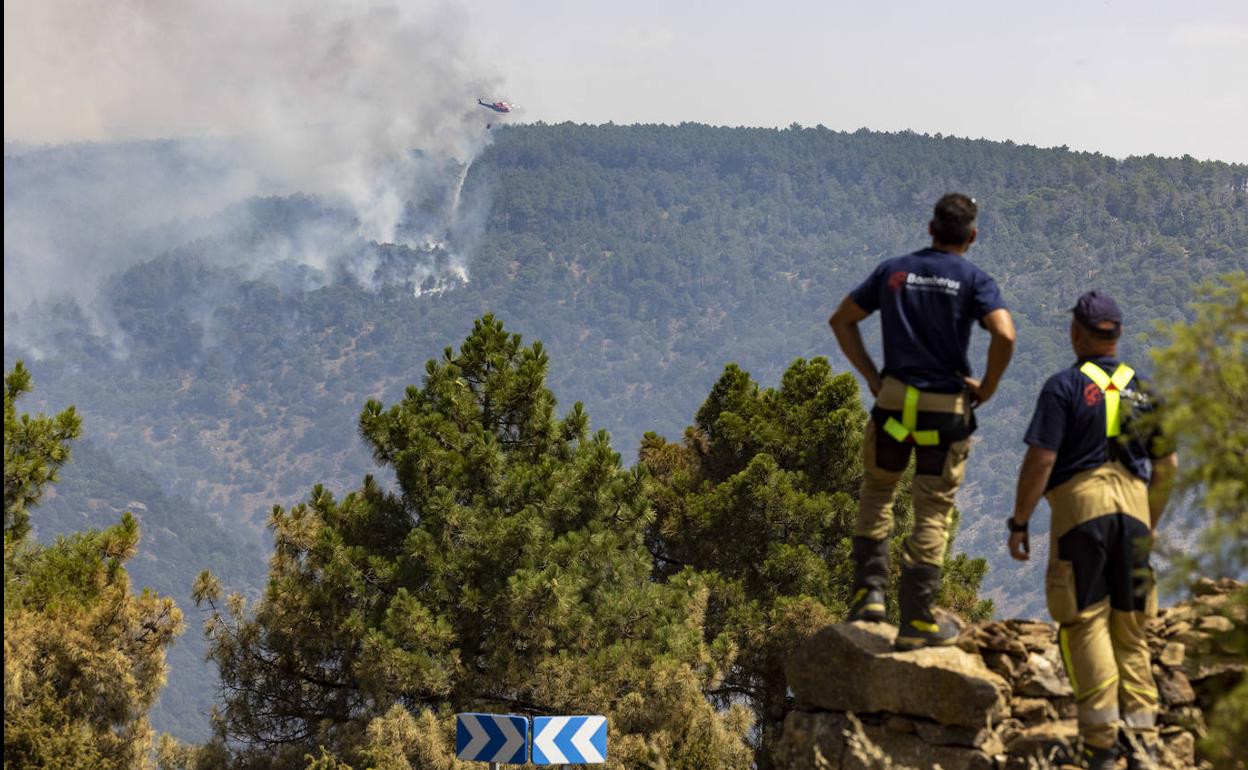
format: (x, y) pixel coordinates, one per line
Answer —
(928, 302)
(1070, 420)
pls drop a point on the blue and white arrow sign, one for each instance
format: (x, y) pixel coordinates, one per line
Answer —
(502, 738)
(569, 740)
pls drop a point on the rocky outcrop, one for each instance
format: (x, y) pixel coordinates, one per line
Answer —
(958, 688)
(998, 699)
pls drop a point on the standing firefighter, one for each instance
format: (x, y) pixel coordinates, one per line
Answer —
(928, 302)
(1106, 483)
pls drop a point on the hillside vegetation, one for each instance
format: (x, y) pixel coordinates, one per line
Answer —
(645, 259)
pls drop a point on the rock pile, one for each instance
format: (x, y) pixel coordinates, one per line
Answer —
(1000, 699)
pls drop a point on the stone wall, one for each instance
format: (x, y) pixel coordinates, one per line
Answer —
(999, 699)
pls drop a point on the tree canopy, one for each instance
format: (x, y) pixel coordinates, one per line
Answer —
(507, 571)
(84, 657)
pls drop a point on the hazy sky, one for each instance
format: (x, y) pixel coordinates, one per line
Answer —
(1120, 77)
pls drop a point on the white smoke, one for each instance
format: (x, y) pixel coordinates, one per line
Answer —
(367, 104)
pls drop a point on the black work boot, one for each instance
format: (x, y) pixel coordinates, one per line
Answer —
(920, 584)
(1098, 759)
(870, 578)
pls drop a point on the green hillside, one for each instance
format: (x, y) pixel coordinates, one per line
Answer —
(644, 258)
(178, 541)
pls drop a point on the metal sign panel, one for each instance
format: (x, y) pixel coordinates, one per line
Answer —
(569, 740)
(502, 738)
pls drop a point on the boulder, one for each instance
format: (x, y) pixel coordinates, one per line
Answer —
(1215, 587)
(1049, 741)
(1044, 677)
(819, 741)
(1172, 654)
(1033, 711)
(1174, 687)
(812, 741)
(913, 751)
(1180, 747)
(981, 738)
(1215, 624)
(852, 667)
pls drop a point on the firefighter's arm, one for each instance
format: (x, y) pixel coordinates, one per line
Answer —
(844, 323)
(1033, 477)
(1000, 325)
(1160, 485)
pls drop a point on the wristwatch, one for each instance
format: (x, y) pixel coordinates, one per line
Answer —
(1009, 522)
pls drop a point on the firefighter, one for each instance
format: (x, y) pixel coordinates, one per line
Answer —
(1107, 480)
(928, 303)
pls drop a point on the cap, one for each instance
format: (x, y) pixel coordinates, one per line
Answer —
(1095, 308)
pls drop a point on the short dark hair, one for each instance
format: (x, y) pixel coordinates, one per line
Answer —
(953, 219)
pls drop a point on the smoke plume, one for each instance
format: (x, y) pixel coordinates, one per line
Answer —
(365, 104)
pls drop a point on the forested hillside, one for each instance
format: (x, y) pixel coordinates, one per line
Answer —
(645, 258)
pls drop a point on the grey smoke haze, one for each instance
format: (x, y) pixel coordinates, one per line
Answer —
(328, 98)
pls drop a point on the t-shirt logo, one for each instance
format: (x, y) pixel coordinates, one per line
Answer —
(1092, 395)
(897, 280)
(933, 283)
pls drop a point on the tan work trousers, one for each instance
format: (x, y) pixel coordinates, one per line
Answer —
(1106, 655)
(939, 474)
(1100, 590)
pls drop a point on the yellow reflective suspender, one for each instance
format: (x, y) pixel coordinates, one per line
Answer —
(1111, 385)
(901, 431)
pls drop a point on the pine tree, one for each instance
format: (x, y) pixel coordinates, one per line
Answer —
(761, 498)
(1202, 373)
(84, 658)
(507, 572)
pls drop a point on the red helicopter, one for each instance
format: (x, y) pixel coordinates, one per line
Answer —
(501, 107)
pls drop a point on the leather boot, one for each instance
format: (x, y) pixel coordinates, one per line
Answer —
(920, 585)
(870, 579)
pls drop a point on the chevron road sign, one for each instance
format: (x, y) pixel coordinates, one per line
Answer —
(501, 738)
(569, 740)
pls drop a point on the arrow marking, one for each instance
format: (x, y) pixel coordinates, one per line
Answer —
(496, 738)
(584, 739)
(514, 744)
(479, 736)
(545, 741)
(492, 738)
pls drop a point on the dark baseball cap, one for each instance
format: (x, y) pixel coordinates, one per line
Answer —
(1095, 308)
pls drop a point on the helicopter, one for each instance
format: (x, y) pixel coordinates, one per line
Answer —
(500, 107)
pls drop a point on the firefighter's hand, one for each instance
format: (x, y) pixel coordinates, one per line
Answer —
(1020, 545)
(979, 394)
(874, 385)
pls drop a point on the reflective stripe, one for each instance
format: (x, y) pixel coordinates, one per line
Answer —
(1111, 386)
(1140, 720)
(923, 625)
(872, 607)
(896, 429)
(1089, 693)
(1147, 693)
(905, 430)
(1063, 641)
(1105, 716)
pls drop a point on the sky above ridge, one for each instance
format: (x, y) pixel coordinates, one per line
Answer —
(1118, 77)
(1122, 77)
